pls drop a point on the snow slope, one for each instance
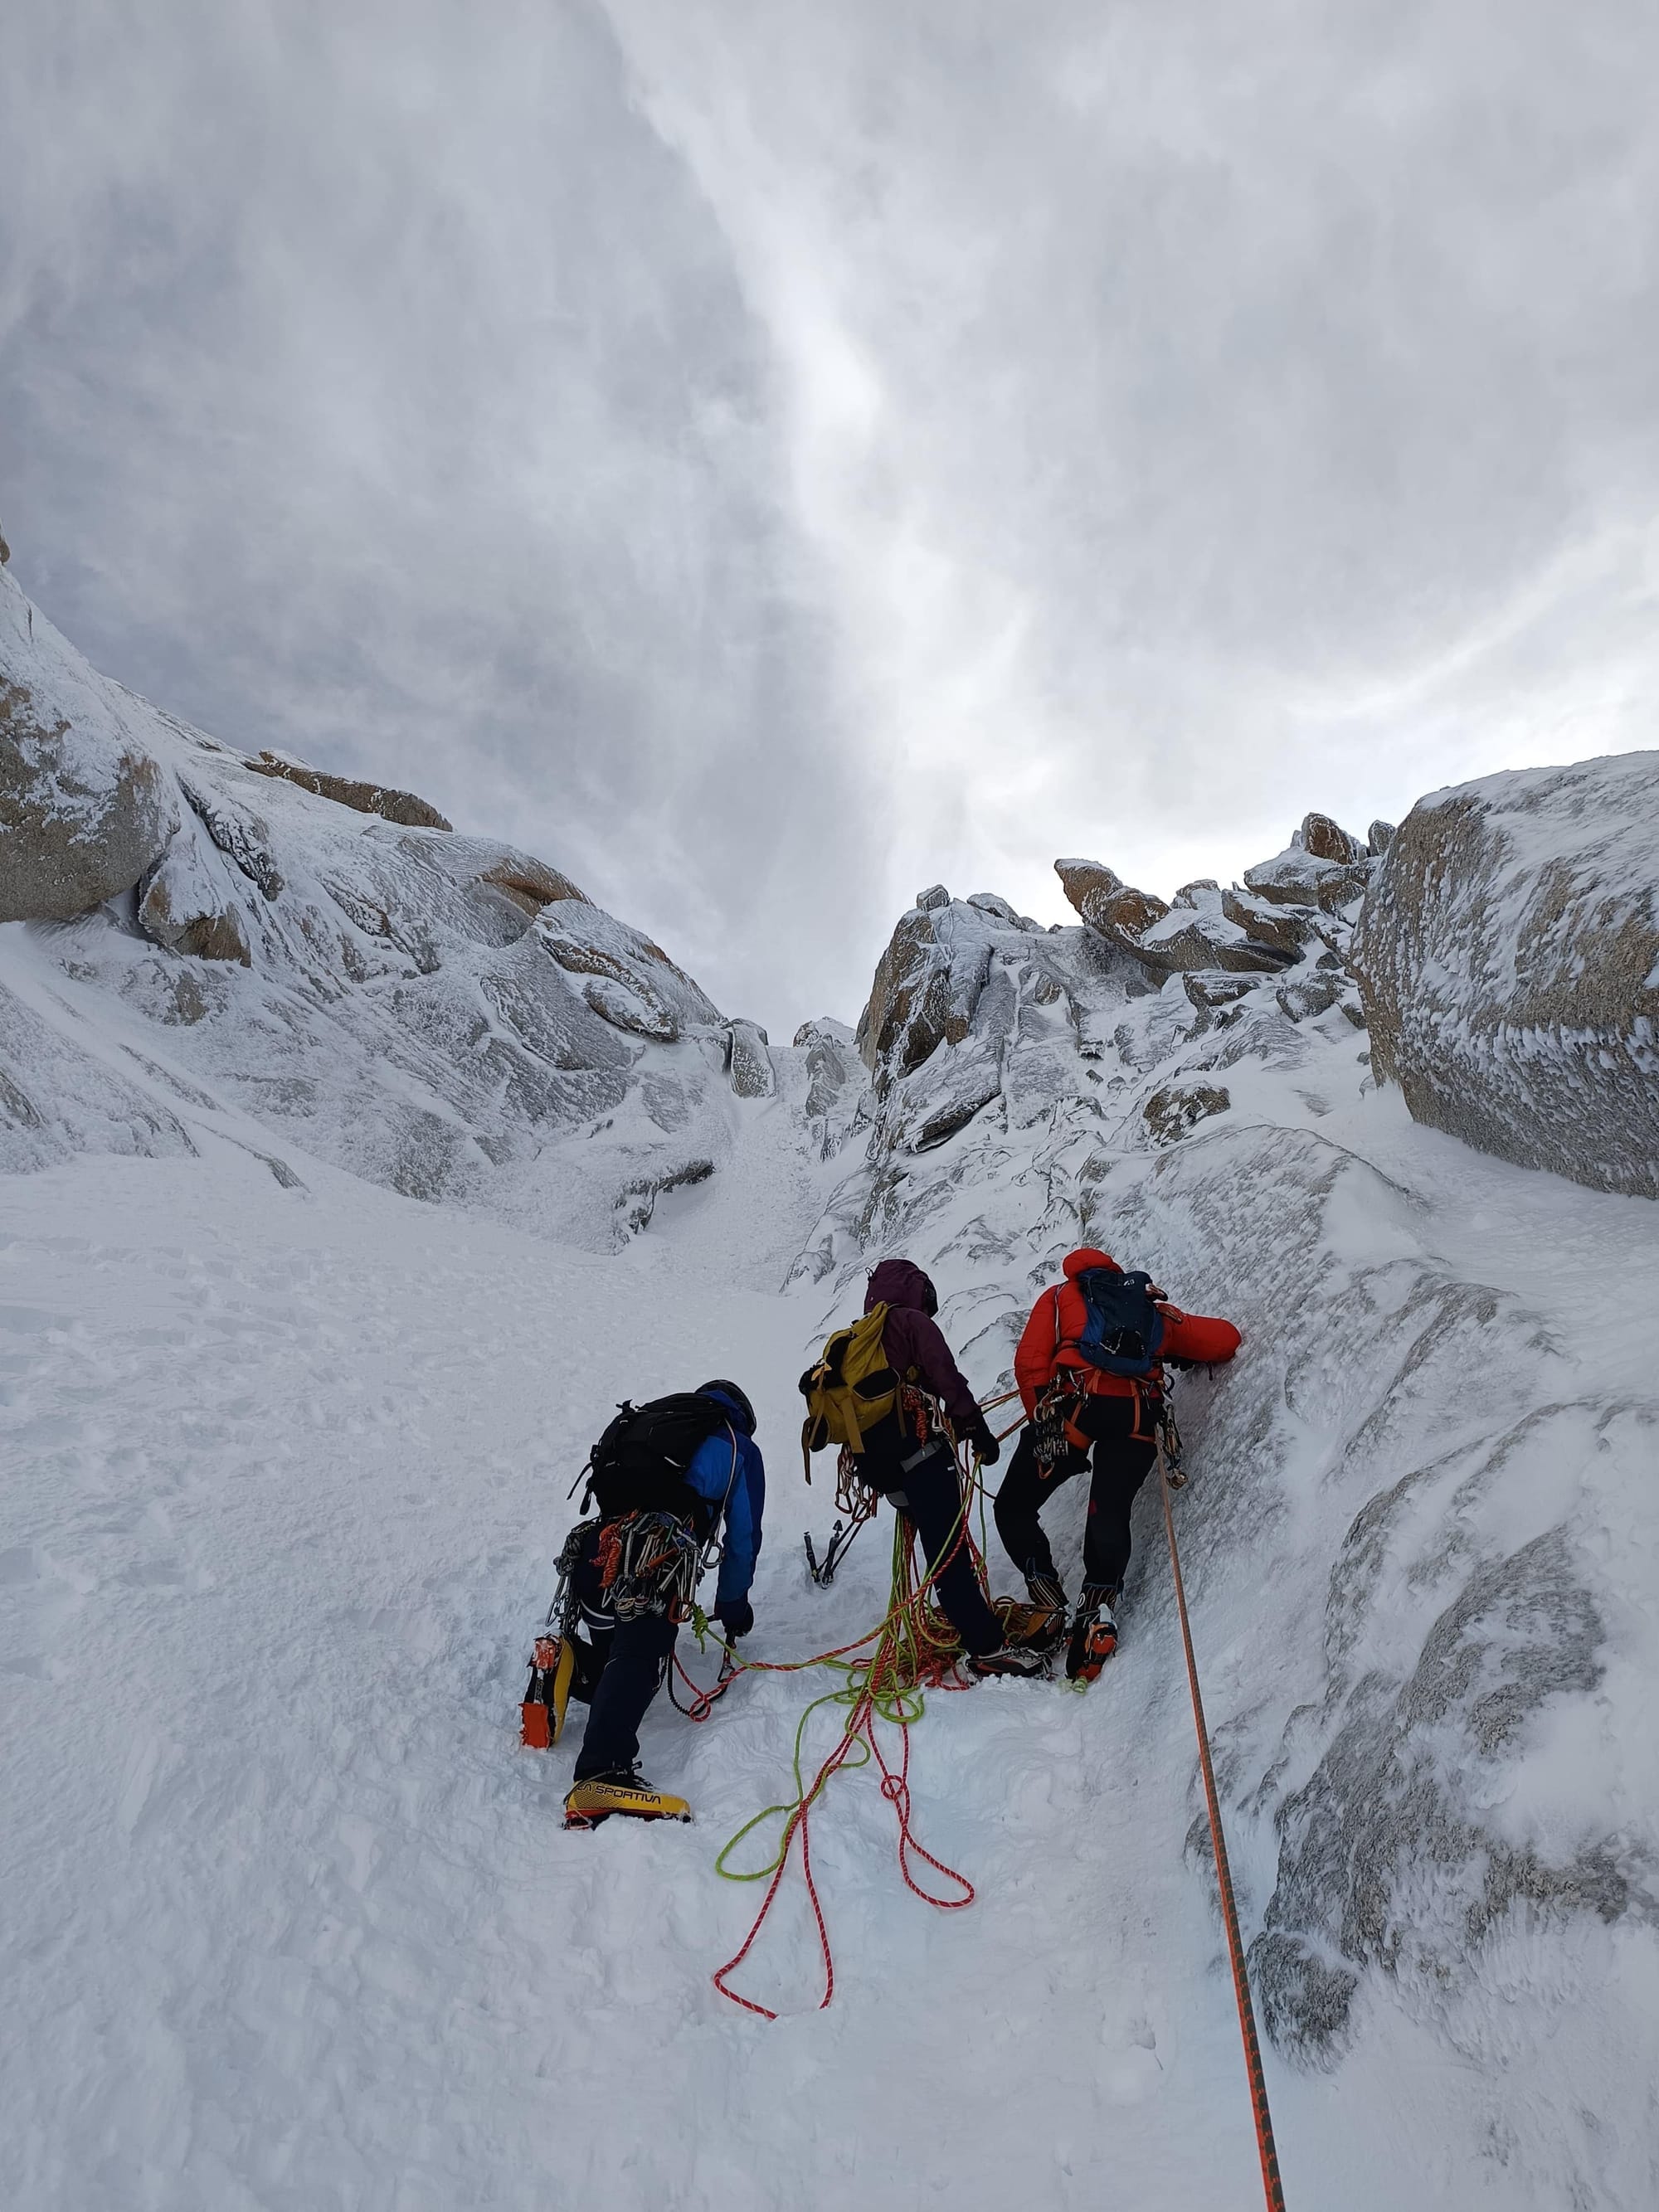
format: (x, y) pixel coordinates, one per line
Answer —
(318, 1276)
(292, 1922)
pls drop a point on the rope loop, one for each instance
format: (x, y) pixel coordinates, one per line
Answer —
(915, 1651)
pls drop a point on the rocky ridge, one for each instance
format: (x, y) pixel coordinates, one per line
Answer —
(1190, 1085)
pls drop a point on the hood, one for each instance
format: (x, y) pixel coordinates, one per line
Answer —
(902, 1283)
(732, 1402)
(1078, 1263)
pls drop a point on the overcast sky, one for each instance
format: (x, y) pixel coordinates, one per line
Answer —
(770, 455)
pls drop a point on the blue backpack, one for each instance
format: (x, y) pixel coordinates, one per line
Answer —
(1124, 1329)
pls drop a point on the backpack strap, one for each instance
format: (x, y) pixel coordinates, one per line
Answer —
(717, 1525)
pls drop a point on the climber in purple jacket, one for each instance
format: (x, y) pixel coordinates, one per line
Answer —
(908, 1458)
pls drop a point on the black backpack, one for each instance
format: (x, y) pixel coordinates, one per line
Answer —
(638, 1466)
(1125, 1329)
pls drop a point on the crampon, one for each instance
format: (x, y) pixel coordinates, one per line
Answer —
(1038, 1627)
(1093, 1640)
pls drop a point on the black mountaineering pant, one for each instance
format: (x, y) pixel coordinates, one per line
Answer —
(1122, 1462)
(929, 1492)
(633, 1658)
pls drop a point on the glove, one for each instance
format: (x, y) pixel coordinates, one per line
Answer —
(736, 1617)
(989, 1451)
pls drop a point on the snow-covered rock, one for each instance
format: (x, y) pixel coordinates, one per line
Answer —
(1397, 1533)
(626, 979)
(1193, 932)
(927, 985)
(1508, 957)
(1326, 840)
(836, 1082)
(1298, 878)
(85, 807)
(1263, 926)
(749, 1061)
(58, 1098)
(1175, 1111)
(443, 1014)
(391, 804)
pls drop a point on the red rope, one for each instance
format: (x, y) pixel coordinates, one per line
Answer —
(1264, 2122)
(703, 1702)
(882, 1681)
(796, 1823)
(896, 1789)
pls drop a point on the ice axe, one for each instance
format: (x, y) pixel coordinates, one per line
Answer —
(823, 1572)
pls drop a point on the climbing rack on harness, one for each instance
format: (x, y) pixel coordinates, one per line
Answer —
(1052, 1424)
(649, 1563)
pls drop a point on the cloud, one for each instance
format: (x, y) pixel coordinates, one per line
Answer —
(771, 456)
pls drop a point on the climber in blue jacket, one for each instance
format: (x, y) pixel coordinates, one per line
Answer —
(632, 1647)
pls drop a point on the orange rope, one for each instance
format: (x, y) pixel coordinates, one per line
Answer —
(1264, 2122)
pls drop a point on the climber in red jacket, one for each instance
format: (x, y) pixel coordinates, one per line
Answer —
(1074, 1405)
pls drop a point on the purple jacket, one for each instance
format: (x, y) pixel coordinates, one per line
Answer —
(911, 1338)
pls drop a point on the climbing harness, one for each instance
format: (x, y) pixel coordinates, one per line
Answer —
(922, 1419)
(647, 1563)
(1270, 2185)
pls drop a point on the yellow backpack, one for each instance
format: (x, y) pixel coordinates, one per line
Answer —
(850, 1389)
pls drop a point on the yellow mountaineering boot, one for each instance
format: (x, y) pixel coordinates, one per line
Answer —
(589, 1802)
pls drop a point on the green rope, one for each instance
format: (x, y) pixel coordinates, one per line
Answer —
(889, 1679)
(790, 1808)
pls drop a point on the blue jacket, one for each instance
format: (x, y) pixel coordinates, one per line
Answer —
(740, 1491)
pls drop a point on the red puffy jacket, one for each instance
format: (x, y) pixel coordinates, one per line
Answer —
(1058, 1319)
